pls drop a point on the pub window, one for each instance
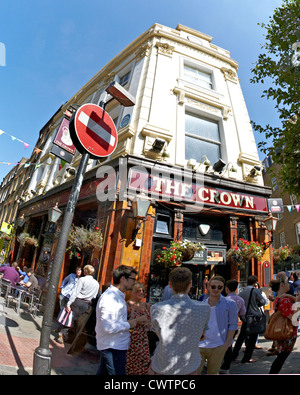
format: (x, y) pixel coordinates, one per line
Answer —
(298, 232)
(282, 239)
(202, 137)
(163, 225)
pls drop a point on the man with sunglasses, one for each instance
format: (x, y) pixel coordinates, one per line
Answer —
(112, 327)
(223, 323)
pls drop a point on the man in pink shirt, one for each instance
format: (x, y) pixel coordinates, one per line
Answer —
(10, 273)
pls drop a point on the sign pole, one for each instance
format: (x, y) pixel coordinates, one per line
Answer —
(42, 354)
(94, 135)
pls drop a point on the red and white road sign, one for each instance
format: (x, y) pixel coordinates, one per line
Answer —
(94, 131)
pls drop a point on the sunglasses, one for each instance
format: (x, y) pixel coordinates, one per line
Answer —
(219, 287)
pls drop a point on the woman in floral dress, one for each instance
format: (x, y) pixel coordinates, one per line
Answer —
(138, 355)
(284, 303)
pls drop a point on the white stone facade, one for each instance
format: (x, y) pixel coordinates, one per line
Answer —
(171, 73)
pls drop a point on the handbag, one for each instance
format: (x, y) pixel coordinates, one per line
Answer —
(255, 324)
(65, 317)
(279, 327)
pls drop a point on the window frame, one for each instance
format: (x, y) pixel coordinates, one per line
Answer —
(201, 138)
(202, 69)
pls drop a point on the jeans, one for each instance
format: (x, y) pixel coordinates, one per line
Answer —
(112, 362)
(250, 344)
(278, 362)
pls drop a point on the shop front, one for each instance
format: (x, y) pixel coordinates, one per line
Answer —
(183, 205)
(202, 209)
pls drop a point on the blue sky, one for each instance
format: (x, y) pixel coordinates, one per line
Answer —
(54, 47)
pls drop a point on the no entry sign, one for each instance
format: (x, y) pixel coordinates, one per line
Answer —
(93, 131)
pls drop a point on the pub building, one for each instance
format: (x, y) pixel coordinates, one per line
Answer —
(186, 150)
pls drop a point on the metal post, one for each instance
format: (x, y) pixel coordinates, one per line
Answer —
(42, 354)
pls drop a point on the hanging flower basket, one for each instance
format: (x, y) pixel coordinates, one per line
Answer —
(178, 252)
(281, 254)
(245, 251)
(187, 255)
(6, 237)
(83, 240)
(25, 239)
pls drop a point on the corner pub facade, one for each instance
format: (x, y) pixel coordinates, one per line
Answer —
(187, 145)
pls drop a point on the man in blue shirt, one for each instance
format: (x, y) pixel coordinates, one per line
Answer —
(223, 323)
(68, 285)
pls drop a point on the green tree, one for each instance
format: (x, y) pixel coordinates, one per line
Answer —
(278, 67)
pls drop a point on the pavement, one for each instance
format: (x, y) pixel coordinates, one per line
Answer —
(20, 336)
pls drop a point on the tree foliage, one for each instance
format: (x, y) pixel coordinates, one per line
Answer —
(278, 68)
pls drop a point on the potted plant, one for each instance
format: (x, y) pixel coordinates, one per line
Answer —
(84, 240)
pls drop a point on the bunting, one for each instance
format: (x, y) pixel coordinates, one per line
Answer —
(26, 145)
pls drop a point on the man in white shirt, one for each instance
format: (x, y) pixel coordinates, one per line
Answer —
(112, 327)
(86, 289)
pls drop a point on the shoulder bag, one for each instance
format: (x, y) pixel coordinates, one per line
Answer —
(256, 324)
(279, 327)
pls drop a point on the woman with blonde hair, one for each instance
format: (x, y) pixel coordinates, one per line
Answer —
(138, 355)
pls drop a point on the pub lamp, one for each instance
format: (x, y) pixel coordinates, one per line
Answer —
(140, 207)
(54, 214)
(20, 221)
(270, 223)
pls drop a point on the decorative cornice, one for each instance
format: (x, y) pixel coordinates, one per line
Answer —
(165, 48)
(229, 75)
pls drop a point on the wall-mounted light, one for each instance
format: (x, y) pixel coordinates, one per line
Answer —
(20, 221)
(120, 94)
(219, 166)
(71, 171)
(34, 193)
(270, 223)
(192, 163)
(158, 145)
(255, 171)
(54, 214)
(204, 229)
(204, 161)
(140, 207)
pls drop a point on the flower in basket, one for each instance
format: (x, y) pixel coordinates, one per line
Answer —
(245, 251)
(82, 239)
(25, 239)
(169, 257)
(5, 236)
(234, 255)
(178, 252)
(282, 253)
(251, 249)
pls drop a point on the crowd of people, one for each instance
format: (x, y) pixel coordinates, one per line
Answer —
(190, 334)
(21, 279)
